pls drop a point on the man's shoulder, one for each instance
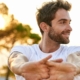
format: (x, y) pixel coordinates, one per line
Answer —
(70, 49)
(27, 50)
(24, 47)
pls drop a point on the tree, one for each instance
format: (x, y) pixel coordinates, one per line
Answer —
(3, 8)
(15, 33)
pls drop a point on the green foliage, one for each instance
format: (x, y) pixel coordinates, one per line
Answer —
(35, 37)
(15, 32)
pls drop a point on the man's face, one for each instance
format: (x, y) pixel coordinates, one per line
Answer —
(60, 29)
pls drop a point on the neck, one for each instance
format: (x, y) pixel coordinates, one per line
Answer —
(48, 45)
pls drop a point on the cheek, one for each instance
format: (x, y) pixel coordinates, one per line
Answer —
(59, 31)
(56, 30)
(60, 28)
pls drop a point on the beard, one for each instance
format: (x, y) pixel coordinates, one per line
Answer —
(58, 37)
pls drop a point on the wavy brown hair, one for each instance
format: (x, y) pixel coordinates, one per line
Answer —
(47, 12)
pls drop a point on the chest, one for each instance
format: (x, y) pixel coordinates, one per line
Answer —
(37, 57)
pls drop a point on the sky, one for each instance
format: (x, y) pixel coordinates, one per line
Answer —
(24, 11)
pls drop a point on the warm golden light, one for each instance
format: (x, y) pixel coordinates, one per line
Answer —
(2, 22)
(24, 11)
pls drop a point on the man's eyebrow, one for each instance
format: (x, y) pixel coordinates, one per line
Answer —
(64, 20)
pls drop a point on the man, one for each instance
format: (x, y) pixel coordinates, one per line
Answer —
(47, 60)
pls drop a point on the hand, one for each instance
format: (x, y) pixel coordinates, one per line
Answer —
(61, 71)
(35, 70)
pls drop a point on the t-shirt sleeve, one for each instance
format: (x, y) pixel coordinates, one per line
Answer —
(67, 50)
(22, 49)
(73, 49)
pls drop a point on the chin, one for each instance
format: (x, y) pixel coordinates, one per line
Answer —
(65, 42)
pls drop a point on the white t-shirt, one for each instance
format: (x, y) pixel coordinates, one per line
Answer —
(33, 53)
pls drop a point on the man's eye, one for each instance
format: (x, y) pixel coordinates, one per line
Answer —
(62, 22)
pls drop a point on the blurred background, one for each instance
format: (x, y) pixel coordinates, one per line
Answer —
(18, 26)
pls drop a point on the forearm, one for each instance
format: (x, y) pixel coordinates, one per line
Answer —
(74, 59)
(16, 60)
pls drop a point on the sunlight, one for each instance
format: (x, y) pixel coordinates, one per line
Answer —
(24, 11)
(2, 22)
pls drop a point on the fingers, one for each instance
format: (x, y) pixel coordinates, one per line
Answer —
(57, 60)
(45, 59)
(57, 65)
(51, 63)
(61, 66)
(54, 62)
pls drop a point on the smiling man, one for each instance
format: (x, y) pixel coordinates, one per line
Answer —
(34, 62)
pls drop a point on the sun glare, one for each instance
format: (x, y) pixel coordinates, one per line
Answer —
(24, 11)
(2, 22)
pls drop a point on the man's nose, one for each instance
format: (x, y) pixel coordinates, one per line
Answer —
(69, 27)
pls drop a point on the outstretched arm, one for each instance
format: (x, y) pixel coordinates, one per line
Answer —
(16, 59)
(61, 71)
(74, 58)
(20, 65)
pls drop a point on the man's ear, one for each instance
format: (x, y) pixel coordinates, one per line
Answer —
(44, 26)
